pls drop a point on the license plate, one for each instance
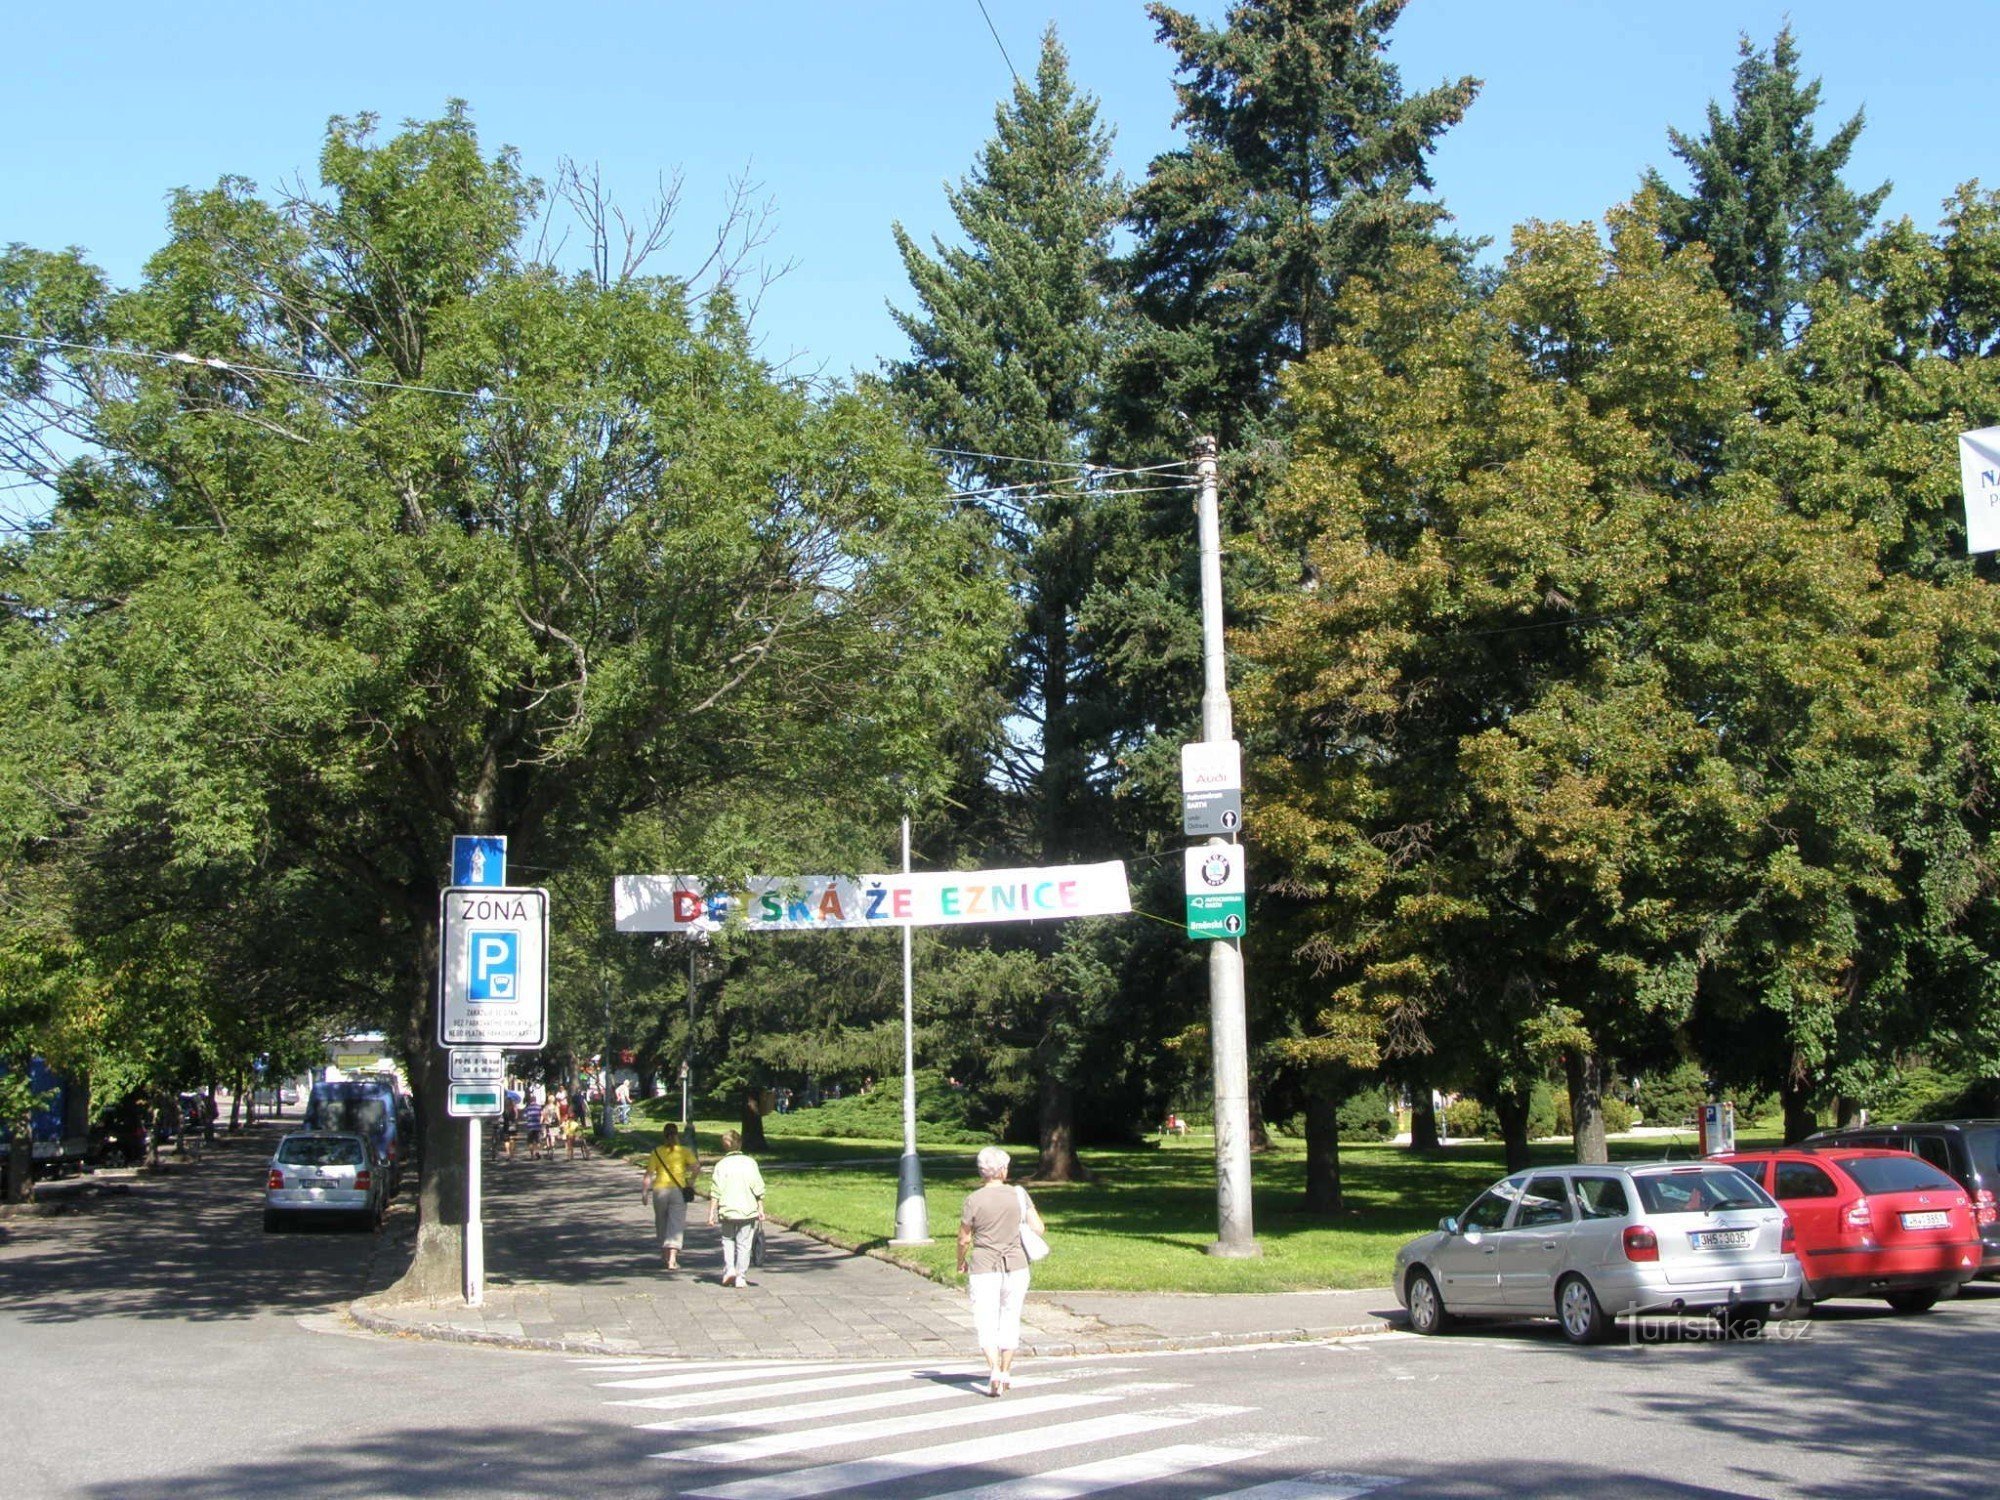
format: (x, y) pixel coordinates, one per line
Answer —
(1720, 1239)
(1932, 1220)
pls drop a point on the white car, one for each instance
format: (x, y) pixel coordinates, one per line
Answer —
(324, 1172)
(1587, 1244)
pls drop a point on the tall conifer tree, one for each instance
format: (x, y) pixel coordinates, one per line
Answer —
(1008, 352)
(1303, 163)
(1766, 199)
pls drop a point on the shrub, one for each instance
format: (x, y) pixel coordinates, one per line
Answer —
(1672, 1097)
(1617, 1115)
(1465, 1117)
(1367, 1116)
(943, 1115)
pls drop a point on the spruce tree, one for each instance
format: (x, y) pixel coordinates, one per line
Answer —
(1766, 200)
(1008, 351)
(1302, 165)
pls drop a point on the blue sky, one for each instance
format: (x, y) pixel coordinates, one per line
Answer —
(853, 116)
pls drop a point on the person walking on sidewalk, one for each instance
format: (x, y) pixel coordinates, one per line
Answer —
(994, 1263)
(736, 1201)
(670, 1174)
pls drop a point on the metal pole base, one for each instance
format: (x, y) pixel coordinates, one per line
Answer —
(913, 1216)
(1223, 1250)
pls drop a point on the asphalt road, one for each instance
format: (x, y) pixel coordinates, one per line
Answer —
(157, 1343)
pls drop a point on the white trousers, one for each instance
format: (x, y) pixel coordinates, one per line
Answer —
(996, 1306)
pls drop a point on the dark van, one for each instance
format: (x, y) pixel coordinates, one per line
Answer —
(1967, 1151)
(370, 1107)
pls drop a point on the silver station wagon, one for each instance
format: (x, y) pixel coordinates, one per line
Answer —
(1585, 1245)
(324, 1172)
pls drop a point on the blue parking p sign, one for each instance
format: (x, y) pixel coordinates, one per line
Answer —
(493, 962)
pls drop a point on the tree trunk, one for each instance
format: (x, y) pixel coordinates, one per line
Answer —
(1260, 1135)
(1423, 1114)
(1322, 1148)
(1800, 1118)
(1586, 1107)
(1059, 1161)
(1846, 1110)
(753, 1122)
(236, 1120)
(1512, 1108)
(437, 1271)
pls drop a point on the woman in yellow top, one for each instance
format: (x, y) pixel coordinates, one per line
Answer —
(670, 1174)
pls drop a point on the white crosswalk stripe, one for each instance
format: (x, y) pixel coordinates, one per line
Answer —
(742, 1413)
(828, 1479)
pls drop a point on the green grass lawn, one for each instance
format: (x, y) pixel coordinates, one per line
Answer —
(1142, 1225)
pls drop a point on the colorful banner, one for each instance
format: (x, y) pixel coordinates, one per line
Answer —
(812, 903)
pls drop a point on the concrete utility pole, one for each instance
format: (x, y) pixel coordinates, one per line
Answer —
(1228, 1033)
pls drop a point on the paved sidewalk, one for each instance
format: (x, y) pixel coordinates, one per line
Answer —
(571, 1266)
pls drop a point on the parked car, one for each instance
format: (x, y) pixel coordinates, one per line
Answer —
(1870, 1222)
(373, 1107)
(324, 1172)
(1589, 1244)
(1967, 1151)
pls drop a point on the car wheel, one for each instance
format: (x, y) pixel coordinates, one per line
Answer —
(1745, 1320)
(1582, 1316)
(1427, 1314)
(271, 1221)
(1922, 1300)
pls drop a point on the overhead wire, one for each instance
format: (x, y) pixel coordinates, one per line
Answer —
(210, 362)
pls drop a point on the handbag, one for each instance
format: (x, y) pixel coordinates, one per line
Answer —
(1031, 1241)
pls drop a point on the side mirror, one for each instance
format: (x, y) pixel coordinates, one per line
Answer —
(1448, 1225)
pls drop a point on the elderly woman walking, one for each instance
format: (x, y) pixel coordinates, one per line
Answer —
(736, 1200)
(995, 1263)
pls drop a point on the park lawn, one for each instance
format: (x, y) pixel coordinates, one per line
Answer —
(1144, 1222)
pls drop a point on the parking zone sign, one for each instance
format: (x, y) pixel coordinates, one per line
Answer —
(493, 967)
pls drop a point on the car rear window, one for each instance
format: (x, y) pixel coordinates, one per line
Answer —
(366, 1114)
(1894, 1174)
(307, 1151)
(1702, 1190)
(1985, 1148)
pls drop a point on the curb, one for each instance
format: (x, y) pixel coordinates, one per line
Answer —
(369, 1319)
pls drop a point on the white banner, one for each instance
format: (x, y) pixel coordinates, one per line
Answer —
(811, 903)
(1979, 469)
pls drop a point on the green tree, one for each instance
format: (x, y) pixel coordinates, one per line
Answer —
(412, 534)
(1303, 163)
(1766, 199)
(1008, 358)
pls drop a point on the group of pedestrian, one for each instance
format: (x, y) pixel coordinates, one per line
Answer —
(1000, 1233)
(541, 1122)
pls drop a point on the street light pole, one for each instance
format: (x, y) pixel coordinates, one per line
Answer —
(1228, 1031)
(913, 1220)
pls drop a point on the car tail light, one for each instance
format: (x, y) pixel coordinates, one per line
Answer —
(1984, 1208)
(275, 1181)
(1859, 1215)
(1789, 1239)
(1641, 1243)
(360, 1182)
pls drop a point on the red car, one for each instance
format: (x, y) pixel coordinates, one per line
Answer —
(1871, 1223)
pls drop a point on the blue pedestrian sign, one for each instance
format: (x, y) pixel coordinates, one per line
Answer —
(493, 967)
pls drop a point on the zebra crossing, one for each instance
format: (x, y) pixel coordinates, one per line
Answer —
(924, 1424)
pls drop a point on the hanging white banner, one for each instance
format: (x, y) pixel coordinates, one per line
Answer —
(810, 903)
(1979, 469)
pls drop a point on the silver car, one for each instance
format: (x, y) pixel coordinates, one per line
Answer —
(324, 1172)
(1586, 1244)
